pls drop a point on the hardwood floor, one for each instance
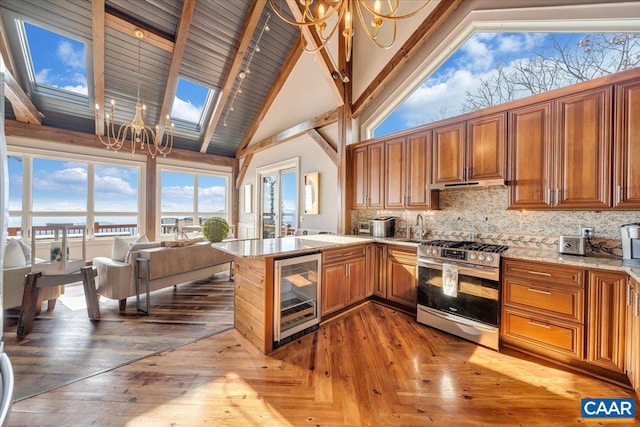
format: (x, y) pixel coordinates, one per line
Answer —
(372, 366)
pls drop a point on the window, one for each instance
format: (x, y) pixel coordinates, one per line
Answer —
(104, 197)
(191, 102)
(56, 64)
(278, 205)
(192, 197)
(491, 68)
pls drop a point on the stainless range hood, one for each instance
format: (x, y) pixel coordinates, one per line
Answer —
(466, 184)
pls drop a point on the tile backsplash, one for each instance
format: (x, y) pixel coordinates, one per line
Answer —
(482, 212)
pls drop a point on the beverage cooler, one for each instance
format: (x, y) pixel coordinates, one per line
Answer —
(296, 297)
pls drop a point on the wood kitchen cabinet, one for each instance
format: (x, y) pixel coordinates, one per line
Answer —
(367, 176)
(344, 273)
(401, 275)
(632, 336)
(606, 319)
(470, 151)
(626, 148)
(380, 278)
(407, 173)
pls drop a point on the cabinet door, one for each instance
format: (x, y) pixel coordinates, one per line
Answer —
(380, 279)
(486, 147)
(448, 154)
(333, 288)
(627, 149)
(636, 339)
(632, 349)
(606, 324)
(375, 175)
(355, 281)
(394, 189)
(530, 162)
(583, 147)
(418, 172)
(401, 277)
(359, 178)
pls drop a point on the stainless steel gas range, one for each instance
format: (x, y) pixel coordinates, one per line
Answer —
(459, 289)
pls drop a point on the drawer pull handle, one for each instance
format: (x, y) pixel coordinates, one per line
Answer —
(539, 291)
(540, 325)
(539, 273)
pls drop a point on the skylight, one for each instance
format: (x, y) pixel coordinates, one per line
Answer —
(55, 61)
(190, 102)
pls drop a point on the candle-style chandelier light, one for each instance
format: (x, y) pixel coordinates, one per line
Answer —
(134, 134)
(321, 12)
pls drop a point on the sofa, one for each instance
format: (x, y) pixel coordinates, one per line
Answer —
(16, 266)
(168, 266)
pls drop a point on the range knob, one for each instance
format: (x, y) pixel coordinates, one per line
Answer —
(473, 256)
(434, 251)
(481, 257)
(489, 258)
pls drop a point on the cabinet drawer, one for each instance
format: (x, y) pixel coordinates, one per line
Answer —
(343, 254)
(566, 302)
(559, 337)
(544, 272)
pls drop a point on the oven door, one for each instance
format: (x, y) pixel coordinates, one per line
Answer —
(478, 291)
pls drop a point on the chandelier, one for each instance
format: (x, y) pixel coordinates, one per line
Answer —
(344, 12)
(134, 134)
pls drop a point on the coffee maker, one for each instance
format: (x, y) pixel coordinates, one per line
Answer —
(631, 243)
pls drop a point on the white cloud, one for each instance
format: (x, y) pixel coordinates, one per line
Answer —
(509, 44)
(82, 90)
(479, 54)
(113, 185)
(69, 56)
(43, 76)
(185, 110)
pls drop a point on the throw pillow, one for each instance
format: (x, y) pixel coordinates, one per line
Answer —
(141, 239)
(26, 249)
(13, 255)
(135, 246)
(120, 249)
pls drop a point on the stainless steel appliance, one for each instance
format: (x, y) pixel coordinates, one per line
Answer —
(296, 297)
(572, 245)
(459, 289)
(631, 243)
(364, 227)
(383, 226)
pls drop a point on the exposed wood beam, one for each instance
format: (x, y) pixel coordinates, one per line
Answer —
(345, 123)
(250, 25)
(7, 57)
(243, 170)
(97, 19)
(172, 79)
(126, 27)
(280, 80)
(151, 202)
(291, 133)
(23, 108)
(324, 144)
(51, 134)
(432, 22)
(313, 41)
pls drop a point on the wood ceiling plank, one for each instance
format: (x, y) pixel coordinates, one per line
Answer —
(281, 79)
(250, 25)
(97, 20)
(293, 132)
(324, 144)
(182, 32)
(126, 27)
(431, 23)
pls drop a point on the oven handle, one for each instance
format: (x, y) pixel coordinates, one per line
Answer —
(479, 271)
(460, 320)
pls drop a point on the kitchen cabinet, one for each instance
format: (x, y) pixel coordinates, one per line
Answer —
(401, 275)
(407, 173)
(367, 176)
(543, 308)
(380, 278)
(632, 334)
(470, 151)
(343, 277)
(566, 169)
(626, 148)
(606, 319)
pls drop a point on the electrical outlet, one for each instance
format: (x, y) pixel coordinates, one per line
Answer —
(586, 231)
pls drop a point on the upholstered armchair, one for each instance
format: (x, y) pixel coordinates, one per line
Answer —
(16, 266)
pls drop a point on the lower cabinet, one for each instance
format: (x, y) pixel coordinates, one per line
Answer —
(344, 273)
(401, 275)
(380, 276)
(632, 336)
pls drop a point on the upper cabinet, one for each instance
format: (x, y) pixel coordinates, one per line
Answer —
(407, 172)
(560, 153)
(468, 152)
(367, 177)
(627, 146)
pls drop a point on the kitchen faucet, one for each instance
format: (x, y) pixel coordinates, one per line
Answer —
(420, 221)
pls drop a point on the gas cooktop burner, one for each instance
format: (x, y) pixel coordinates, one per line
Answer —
(470, 246)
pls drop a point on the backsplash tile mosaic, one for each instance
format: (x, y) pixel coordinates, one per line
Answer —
(482, 213)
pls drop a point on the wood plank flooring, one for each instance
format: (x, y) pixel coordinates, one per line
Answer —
(373, 366)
